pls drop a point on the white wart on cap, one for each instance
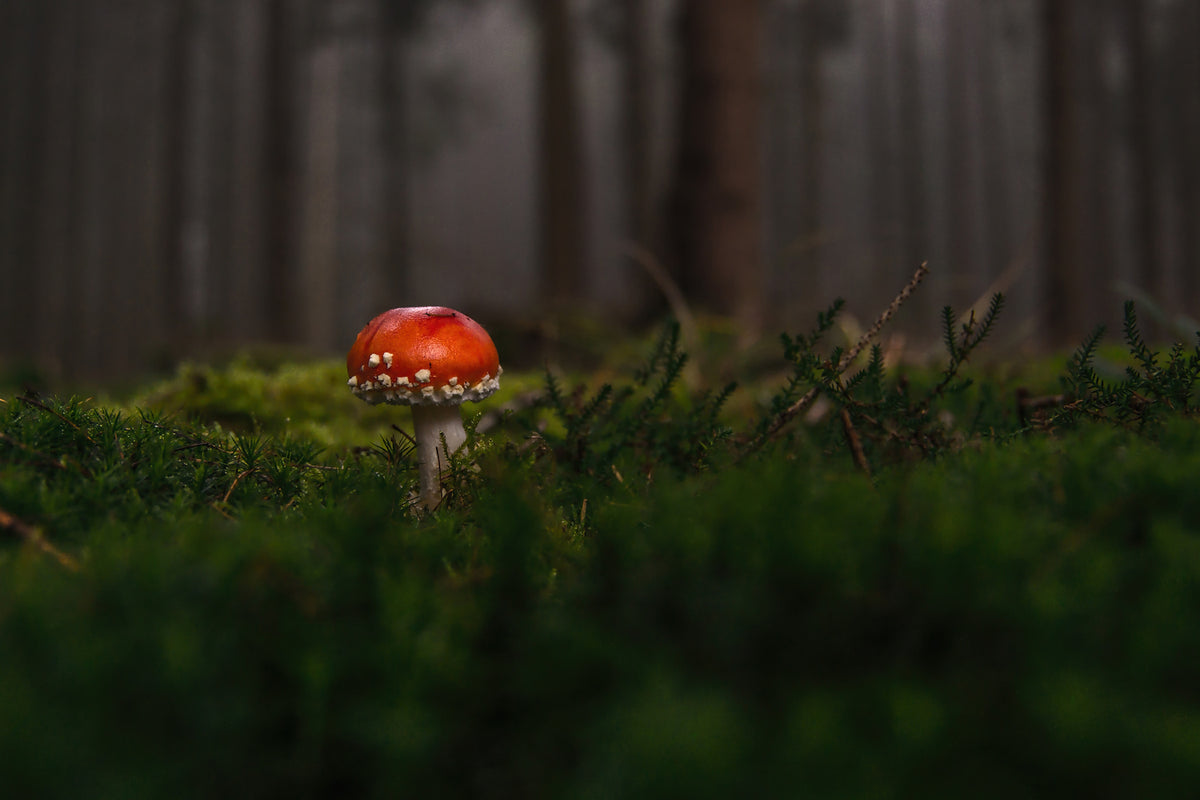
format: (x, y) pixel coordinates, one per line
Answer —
(433, 359)
(429, 355)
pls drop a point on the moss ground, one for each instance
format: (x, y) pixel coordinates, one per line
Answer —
(220, 588)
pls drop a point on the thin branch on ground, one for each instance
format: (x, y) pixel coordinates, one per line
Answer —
(788, 414)
(855, 443)
(31, 401)
(34, 537)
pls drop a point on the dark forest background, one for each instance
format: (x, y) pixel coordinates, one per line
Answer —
(193, 176)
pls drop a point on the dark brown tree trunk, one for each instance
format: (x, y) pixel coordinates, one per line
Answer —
(216, 123)
(142, 283)
(717, 205)
(914, 241)
(174, 176)
(637, 139)
(318, 241)
(997, 235)
(964, 218)
(1186, 77)
(359, 162)
(562, 200)
(881, 140)
(280, 167)
(637, 128)
(24, 36)
(810, 35)
(394, 119)
(1062, 320)
(55, 192)
(1095, 137)
(245, 283)
(1148, 256)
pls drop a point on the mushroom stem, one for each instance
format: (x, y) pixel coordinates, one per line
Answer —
(430, 424)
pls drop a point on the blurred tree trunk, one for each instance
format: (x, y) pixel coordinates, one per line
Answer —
(245, 288)
(638, 152)
(910, 128)
(55, 193)
(1061, 313)
(637, 123)
(280, 169)
(318, 241)
(880, 135)
(1184, 70)
(997, 233)
(1148, 254)
(962, 83)
(1096, 141)
(139, 292)
(172, 165)
(717, 207)
(394, 123)
(816, 28)
(91, 266)
(360, 162)
(24, 35)
(214, 167)
(108, 294)
(562, 192)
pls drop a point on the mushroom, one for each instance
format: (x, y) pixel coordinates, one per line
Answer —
(433, 359)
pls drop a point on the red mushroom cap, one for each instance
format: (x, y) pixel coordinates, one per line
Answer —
(429, 355)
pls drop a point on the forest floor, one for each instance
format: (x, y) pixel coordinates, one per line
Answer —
(844, 578)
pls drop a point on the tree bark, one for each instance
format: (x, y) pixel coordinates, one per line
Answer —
(914, 242)
(280, 171)
(359, 166)
(637, 139)
(811, 36)
(562, 200)
(56, 192)
(717, 205)
(882, 201)
(1186, 70)
(1061, 316)
(24, 34)
(963, 210)
(637, 127)
(1148, 254)
(394, 121)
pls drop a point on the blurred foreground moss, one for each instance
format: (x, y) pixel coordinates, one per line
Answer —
(925, 590)
(253, 614)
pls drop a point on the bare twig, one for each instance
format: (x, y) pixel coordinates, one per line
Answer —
(1027, 404)
(677, 302)
(848, 357)
(29, 400)
(64, 463)
(669, 288)
(856, 448)
(405, 434)
(887, 314)
(38, 454)
(236, 481)
(33, 536)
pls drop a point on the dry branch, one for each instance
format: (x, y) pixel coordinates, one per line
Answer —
(856, 448)
(848, 357)
(34, 537)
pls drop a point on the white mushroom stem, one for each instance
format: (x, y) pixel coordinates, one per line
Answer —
(430, 424)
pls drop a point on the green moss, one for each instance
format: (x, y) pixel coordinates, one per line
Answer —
(634, 603)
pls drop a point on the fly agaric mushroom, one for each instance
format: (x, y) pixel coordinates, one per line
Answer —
(433, 359)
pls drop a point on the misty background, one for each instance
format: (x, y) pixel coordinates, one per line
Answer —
(188, 177)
